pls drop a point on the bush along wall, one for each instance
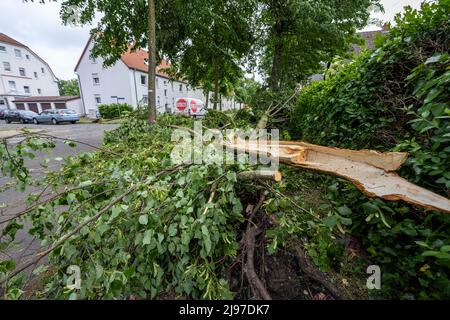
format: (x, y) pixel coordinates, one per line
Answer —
(396, 97)
(114, 110)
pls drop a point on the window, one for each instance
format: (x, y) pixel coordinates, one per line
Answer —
(42, 70)
(95, 79)
(157, 84)
(143, 80)
(26, 89)
(27, 56)
(12, 85)
(22, 72)
(165, 83)
(94, 60)
(2, 49)
(181, 88)
(158, 101)
(6, 66)
(2, 102)
(165, 92)
(39, 91)
(18, 53)
(98, 99)
(35, 75)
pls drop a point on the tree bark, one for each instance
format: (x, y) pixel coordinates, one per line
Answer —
(261, 174)
(151, 62)
(274, 77)
(216, 93)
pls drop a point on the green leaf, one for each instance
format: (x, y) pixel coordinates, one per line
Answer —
(172, 230)
(330, 221)
(143, 219)
(344, 210)
(148, 235)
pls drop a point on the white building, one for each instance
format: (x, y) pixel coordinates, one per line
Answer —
(126, 82)
(23, 73)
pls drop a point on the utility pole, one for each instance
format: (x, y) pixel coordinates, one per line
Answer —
(151, 62)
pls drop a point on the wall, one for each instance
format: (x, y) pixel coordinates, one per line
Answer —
(44, 81)
(114, 81)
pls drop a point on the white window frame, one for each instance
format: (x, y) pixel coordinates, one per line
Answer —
(39, 90)
(143, 77)
(42, 70)
(4, 49)
(26, 89)
(36, 76)
(24, 72)
(18, 53)
(97, 99)
(12, 85)
(94, 77)
(6, 63)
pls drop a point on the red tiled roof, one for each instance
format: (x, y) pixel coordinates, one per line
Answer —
(47, 99)
(4, 38)
(369, 37)
(137, 60)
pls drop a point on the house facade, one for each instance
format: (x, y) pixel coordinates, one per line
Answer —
(127, 82)
(23, 73)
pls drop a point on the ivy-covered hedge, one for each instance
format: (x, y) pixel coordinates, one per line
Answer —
(394, 98)
(114, 110)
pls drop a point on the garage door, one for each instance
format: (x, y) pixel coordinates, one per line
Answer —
(20, 106)
(33, 107)
(60, 105)
(46, 106)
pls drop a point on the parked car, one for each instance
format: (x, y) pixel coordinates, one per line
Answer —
(55, 116)
(22, 116)
(3, 111)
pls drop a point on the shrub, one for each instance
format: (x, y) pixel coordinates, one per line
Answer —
(114, 110)
(395, 98)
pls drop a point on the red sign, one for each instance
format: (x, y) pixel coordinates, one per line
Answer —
(181, 104)
(193, 106)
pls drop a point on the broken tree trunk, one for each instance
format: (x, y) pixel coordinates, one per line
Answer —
(261, 174)
(370, 171)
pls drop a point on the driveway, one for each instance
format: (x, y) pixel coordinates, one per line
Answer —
(12, 201)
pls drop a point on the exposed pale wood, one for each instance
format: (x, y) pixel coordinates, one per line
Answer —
(260, 174)
(368, 170)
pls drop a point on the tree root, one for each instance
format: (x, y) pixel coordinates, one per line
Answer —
(314, 273)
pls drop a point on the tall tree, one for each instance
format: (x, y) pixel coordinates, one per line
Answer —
(151, 62)
(69, 87)
(297, 35)
(220, 36)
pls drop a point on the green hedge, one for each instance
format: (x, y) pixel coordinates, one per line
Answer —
(114, 110)
(394, 98)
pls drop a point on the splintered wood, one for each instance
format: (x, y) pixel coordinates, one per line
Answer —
(370, 171)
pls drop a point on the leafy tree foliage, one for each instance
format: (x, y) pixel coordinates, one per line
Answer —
(69, 87)
(297, 35)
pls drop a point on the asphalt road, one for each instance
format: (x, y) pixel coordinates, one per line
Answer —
(12, 201)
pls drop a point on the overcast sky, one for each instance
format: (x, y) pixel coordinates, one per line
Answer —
(39, 27)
